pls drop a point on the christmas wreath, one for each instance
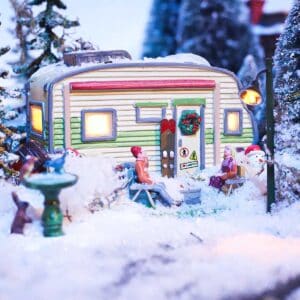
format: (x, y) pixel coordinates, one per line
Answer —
(189, 122)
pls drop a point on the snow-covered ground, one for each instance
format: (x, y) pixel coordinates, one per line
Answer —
(133, 252)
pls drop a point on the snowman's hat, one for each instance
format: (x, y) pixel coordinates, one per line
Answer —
(253, 149)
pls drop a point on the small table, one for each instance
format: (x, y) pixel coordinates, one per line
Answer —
(192, 195)
(50, 185)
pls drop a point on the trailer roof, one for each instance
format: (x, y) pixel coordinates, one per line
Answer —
(49, 75)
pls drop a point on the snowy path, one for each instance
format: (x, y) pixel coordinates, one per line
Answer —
(132, 252)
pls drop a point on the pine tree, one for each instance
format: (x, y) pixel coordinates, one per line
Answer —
(3, 75)
(23, 28)
(161, 32)
(9, 139)
(287, 108)
(218, 31)
(46, 39)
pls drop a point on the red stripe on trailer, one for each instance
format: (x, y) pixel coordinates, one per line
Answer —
(142, 84)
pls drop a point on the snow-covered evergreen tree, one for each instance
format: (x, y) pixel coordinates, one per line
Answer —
(3, 75)
(161, 32)
(287, 108)
(23, 26)
(47, 40)
(217, 30)
(9, 138)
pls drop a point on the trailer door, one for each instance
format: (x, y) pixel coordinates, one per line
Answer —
(190, 140)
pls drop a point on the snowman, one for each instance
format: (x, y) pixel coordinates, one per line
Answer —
(254, 162)
(256, 159)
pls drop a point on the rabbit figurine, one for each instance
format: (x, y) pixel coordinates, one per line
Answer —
(20, 218)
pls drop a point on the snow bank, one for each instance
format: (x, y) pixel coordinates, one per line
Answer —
(96, 178)
(133, 252)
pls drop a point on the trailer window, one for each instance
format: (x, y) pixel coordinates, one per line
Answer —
(233, 121)
(98, 125)
(149, 112)
(36, 115)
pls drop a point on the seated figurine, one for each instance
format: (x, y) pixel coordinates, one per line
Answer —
(144, 179)
(228, 170)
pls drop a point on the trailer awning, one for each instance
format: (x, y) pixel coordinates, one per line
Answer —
(142, 84)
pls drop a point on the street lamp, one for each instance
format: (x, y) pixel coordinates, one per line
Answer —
(252, 96)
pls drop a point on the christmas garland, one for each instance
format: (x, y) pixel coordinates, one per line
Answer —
(189, 122)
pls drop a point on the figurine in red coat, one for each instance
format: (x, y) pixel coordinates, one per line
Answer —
(141, 165)
(141, 168)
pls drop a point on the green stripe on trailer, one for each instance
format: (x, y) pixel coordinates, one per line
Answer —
(209, 140)
(128, 138)
(58, 132)
(209, 131)
(135, 133)
(209, 136)
(246, 137)
(58, 121)
(230, 139)
(189, 101)
(124, 139)
(94, 145)
(151, 104)
(77, 138)
(58, 126)
(58, 143)
(236, 139)
(245, 130)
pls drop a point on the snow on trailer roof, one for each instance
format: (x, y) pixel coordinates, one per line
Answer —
(180, 58)
(54, 72)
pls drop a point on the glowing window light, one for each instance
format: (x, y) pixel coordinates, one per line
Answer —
(233, 121)
(36, 117)
(98, 125)
(251, 97)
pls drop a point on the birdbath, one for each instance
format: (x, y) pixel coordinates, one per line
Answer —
(50, 185)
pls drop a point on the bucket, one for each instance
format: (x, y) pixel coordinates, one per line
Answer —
(191, 196)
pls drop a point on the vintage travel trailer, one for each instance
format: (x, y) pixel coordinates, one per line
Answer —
(104, 103)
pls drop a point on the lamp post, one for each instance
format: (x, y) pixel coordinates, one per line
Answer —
(252, 96)
(270, 134)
